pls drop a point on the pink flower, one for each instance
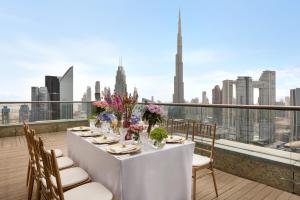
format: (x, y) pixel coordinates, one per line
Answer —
(100, 104)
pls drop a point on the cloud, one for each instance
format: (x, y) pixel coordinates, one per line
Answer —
(205, 56)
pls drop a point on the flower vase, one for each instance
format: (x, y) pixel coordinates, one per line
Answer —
(136, 137)
(158, 144)
(149, 128)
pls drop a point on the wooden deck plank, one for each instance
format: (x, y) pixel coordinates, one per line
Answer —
(14, 160)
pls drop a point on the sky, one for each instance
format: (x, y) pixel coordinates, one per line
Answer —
(222, 39)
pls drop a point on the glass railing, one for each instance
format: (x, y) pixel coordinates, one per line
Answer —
(17, 112)
(265, 132)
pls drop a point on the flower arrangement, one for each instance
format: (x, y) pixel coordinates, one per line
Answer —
(122, 106)
(158, 135)
(129, 103)
(135, 129)
(107, 117)
(99, 107)
(115, 103)
(152, 114)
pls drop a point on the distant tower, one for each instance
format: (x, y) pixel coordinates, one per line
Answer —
(178, 96)
(295, 115)
(204, 98)
(267, 96)
(97, 91)
(24, 113)
(89, 99)
(66, 94)
(5, 115)
(217, 99)
(227, 98)
(245, 117)
(121, 86)
(52, 85)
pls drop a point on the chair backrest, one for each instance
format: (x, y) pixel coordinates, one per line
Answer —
(206, 134)
(51, 171)
(180, 126)
(28, 133)
(37, 155)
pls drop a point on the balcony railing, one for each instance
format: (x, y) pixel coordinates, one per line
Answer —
(266, 133)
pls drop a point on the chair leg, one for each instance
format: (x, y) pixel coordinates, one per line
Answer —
(28, 173)
(214, 179)
(38, 190)
(30, 188)
(194, 184)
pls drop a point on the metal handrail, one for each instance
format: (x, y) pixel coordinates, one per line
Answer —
(255, 107)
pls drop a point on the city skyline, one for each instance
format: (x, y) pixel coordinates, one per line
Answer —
(221, 41)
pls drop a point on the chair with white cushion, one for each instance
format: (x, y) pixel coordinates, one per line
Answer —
(30, 162)
(63, 163)
(204, 135)
(54, 182)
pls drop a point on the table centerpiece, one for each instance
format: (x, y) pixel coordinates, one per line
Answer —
(158, 135)
(152, 114)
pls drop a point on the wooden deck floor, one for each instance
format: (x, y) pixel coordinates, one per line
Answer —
(14, 158)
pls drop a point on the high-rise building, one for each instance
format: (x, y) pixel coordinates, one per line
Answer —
(267, 96)
(295, 115)
(89, 99)
(244, 117)
(227, 98)
(24, 113)
(204, 98)
(178, 95)
(5, 115)
(121, 86)
(39, 110)
(66, 94)
(217, 99)
(52, 84)
(97, 91)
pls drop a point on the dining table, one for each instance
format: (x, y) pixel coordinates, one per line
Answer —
(150, 174)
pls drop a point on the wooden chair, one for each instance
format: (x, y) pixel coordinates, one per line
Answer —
(179, 127)
(26, 129)
(88, 191)
(206, 140)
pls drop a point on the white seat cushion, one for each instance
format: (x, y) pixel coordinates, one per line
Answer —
(71, 176)
(64, 162)
(89, 191)
(199, 160)
(58, 152)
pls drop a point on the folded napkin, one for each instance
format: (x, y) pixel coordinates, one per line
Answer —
(120, 149)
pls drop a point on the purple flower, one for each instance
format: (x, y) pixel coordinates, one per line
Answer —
(134, 119)
(106, 117)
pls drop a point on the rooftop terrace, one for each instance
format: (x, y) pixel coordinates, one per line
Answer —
(14, 157)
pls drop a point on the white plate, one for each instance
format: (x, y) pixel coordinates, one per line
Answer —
(175, 139)
(81, 128)
(133, 148)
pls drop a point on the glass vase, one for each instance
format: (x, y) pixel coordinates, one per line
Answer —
(158, 144)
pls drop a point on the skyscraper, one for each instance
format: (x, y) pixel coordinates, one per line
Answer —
(178, 95)
(267, 96)
(52, 84)
(121, 86)
(39, 110)
(5, 115)
(217, 99)
(24, 113)
(66, 94)
(244, 117)
(89, 99)
(295, 115)
(97, 91)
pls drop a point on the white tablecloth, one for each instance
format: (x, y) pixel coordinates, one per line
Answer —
(164, 174)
